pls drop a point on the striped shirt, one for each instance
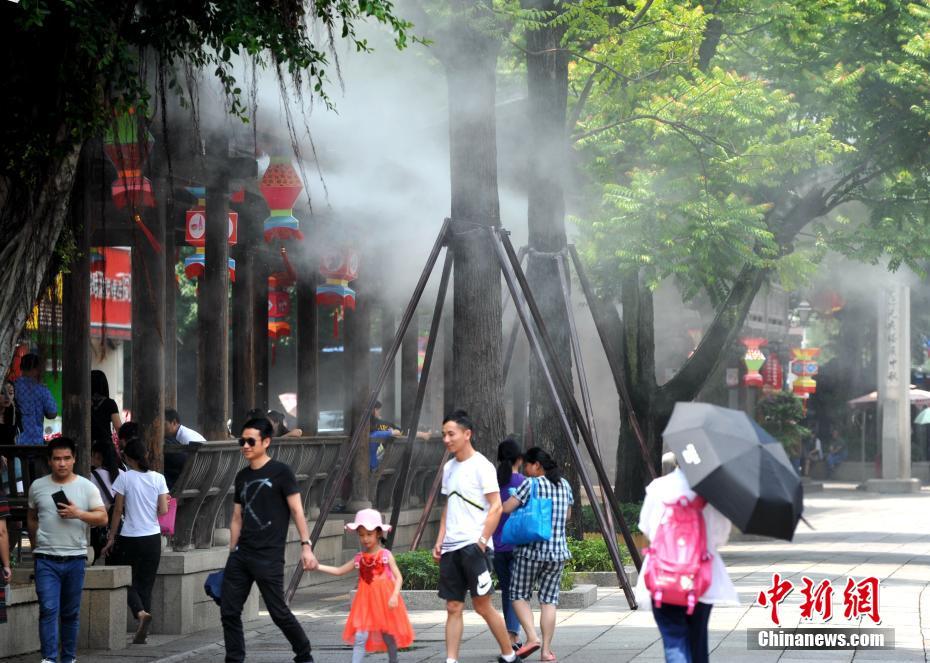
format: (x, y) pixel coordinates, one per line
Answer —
(556, 548)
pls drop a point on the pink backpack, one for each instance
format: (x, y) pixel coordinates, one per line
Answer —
(679, 570)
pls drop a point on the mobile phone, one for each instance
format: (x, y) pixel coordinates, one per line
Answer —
(60, 498)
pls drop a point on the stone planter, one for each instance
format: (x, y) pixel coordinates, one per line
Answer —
(580, 597)
(605, 578)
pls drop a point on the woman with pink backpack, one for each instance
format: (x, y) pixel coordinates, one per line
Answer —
(680, 526)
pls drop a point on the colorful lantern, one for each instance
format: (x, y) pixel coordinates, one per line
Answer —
(127, 145)
(279, 301)
(753, 360)
(280, 187)
(772, 376)
(804, 367)
(339, 267)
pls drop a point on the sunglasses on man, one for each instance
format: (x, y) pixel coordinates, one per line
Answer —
(247, 440)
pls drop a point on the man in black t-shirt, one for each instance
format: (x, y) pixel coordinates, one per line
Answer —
(266, 498)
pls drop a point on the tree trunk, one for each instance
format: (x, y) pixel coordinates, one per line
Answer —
(31, 219)
(357, 330)
(547, 85)
(470, 60)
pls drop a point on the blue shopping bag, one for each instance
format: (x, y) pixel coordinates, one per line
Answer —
(530, 523)
(213, 585)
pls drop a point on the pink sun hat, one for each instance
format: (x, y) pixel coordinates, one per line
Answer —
(370, 519)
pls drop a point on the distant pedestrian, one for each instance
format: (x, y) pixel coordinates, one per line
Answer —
(266, 497)
(104, 413)
(509, 460)
(378, 618)
(61, 505)
(540, 564)
(279, 424)
(104, 469)
(684, 635)
(35, 401)
(142, 496)
(176, 432)
(11, 421)
(469, 518)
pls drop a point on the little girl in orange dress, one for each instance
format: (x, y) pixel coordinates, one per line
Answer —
(378, 619)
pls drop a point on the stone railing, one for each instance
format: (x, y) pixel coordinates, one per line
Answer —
(24, 463)
(205, 486)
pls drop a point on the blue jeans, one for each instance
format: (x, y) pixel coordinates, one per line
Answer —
(58, 586)
(502, 565)
(683, 636)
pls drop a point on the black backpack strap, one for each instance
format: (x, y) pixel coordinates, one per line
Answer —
(106, 492)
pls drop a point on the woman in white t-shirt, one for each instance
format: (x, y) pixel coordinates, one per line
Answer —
(142, 495)
(103, 472)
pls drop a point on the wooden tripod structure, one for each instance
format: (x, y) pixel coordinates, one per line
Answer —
(571, 416)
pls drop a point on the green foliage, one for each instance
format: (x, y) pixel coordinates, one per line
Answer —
(630, 512)
(701, 133)
(590, 554)
(779, 414)
(70, 65)
(419, 569)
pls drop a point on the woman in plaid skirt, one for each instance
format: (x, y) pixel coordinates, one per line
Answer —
(540, 564)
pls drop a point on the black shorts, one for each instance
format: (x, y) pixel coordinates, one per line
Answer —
(464, 569)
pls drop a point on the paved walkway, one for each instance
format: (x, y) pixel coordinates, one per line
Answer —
(857, 535)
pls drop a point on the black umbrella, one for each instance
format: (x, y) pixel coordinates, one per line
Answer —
(738, 467)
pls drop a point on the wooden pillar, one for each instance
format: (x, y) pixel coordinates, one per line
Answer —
(448, 377)
(247, 335)
(75, 388)
(408, 371)
(389, 392)
(308, 342)
(357, 343)
(148, 325)
(260, 322)
(171, 290)
(213, 311)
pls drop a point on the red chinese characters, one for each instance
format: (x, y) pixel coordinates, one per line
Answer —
(860, 599)
(773, 596)
(817, 599)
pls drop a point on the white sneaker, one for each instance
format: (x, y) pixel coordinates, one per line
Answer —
(48, 660)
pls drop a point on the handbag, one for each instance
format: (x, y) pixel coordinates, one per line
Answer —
(530, 523)
(167, 519)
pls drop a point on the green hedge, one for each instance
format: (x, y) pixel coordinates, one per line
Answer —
(591, 555)
(420, 571)
(630, 512)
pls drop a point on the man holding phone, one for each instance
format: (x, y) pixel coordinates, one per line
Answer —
(61, 507)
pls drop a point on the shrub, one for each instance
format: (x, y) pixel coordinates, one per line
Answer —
(590, 554)
(630, 511)
(419, 569)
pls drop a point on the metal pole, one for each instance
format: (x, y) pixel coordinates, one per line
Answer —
(569, 396)
(613, 360)
(579, 367)
(362, 431)
(430, 501)
(403, 485)
(512, 278)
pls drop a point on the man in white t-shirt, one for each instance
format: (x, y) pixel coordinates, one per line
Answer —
(180, 434)
(472, 510)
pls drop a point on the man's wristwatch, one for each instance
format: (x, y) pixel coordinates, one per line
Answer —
(483, 540)
(307, 543)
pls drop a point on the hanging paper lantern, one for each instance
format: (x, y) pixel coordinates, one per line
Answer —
(772, 375)
(804, 367)
(279, 305)
(127, 146)
(280, 187)
(339, 267)
(753, 360)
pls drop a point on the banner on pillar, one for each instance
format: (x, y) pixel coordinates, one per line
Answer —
(111, 293)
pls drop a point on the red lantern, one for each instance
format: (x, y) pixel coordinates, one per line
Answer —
(753, 360)
(127, 146)
(280, 187)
